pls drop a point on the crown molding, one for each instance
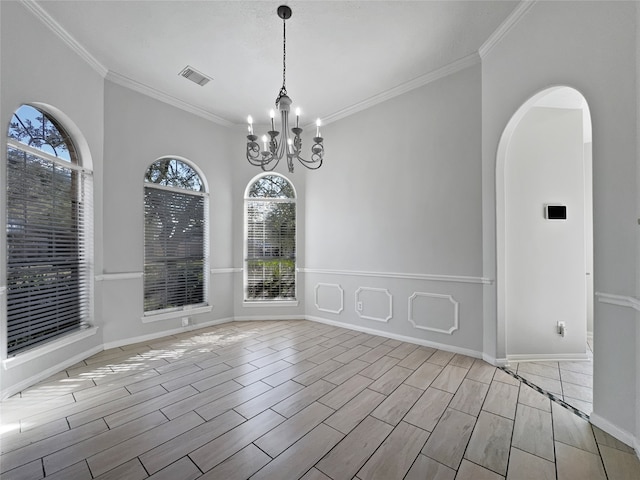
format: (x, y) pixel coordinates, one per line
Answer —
(165, 98)
(504, 28)
(417, 82)
(65, 36)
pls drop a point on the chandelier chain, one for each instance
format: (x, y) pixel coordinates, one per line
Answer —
(283, 90)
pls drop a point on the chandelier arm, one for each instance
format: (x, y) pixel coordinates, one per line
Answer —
(258, 158)
(310, 164)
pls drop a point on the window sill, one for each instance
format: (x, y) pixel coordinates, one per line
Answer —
(187, 312)
(22, 358)
(268, 303)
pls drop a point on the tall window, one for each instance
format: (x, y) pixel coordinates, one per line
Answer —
(175, 232)
(48, 232)
(270, 261)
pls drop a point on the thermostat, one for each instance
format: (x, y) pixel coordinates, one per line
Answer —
(555, 212)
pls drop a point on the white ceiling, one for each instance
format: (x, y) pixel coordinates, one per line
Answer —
(339, 53)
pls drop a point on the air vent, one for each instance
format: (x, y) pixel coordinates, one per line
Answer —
(195, 76)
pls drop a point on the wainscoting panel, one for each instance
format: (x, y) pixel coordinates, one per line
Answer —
(374, 304)
(329, 297)
(434, 312)
(444, 309)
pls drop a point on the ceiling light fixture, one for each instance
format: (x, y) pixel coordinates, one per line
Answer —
(273, 150)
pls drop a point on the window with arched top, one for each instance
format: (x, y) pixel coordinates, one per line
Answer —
(48, 232)
(175, 236)
(270, 243)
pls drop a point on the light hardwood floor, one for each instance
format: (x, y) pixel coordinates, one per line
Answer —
(295, 399)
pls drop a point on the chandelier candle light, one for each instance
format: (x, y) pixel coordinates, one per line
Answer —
(272, 150)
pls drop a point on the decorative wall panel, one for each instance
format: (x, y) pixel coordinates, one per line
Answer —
(374, 304)
(434, 312)
(329, 297)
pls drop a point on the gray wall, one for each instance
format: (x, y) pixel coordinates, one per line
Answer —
(588, 46)
(397, 208)
(55, 77)
(138, 131)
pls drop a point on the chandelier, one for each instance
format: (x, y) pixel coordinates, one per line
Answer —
(290, 143)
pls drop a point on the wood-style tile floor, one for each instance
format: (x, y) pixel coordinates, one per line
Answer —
(295, 399)
(568, 381)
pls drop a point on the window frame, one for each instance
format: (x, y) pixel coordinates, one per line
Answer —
(276, 302)
(188, 309)
(79, 161)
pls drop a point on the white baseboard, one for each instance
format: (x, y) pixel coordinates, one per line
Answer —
(164, 333)
(267, 318)
(615, 431)
(550, 357)
(496, 362)
(43, 375)
(402, 338)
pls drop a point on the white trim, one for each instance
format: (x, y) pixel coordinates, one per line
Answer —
(268, 318)
(267, 303)
(164, 333)
(183, 312)
(315, 290)
(43, 375)
(403, 88)
(3, 290)
(548, 357)
(61, 162)
(504, 28)
(404, 276)
(496, 362)
(171, 188)
(219, 271)
(105, 277)
(64, 341)
(402, 338)
(613, 430)
(620, 300)
(456, 309)
(165, 98)
(65, 36)
(371, 289)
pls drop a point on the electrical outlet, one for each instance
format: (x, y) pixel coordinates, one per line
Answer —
(359, 306)
(185, 321)
(562, 328)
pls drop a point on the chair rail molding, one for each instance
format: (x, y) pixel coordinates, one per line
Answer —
(404, 276)
(620, 300)
(118, 276)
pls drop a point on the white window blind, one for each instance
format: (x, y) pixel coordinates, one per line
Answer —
(175, 233)
(270, 263)
(48, 234)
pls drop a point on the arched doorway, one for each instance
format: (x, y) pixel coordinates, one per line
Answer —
(545, 236)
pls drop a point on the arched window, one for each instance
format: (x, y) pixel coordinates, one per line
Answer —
(48, 232)
(175, 233)
(270, 245)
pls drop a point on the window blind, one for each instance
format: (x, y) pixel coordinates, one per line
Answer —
(174, 240)
(48, 248)
(271, 249)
